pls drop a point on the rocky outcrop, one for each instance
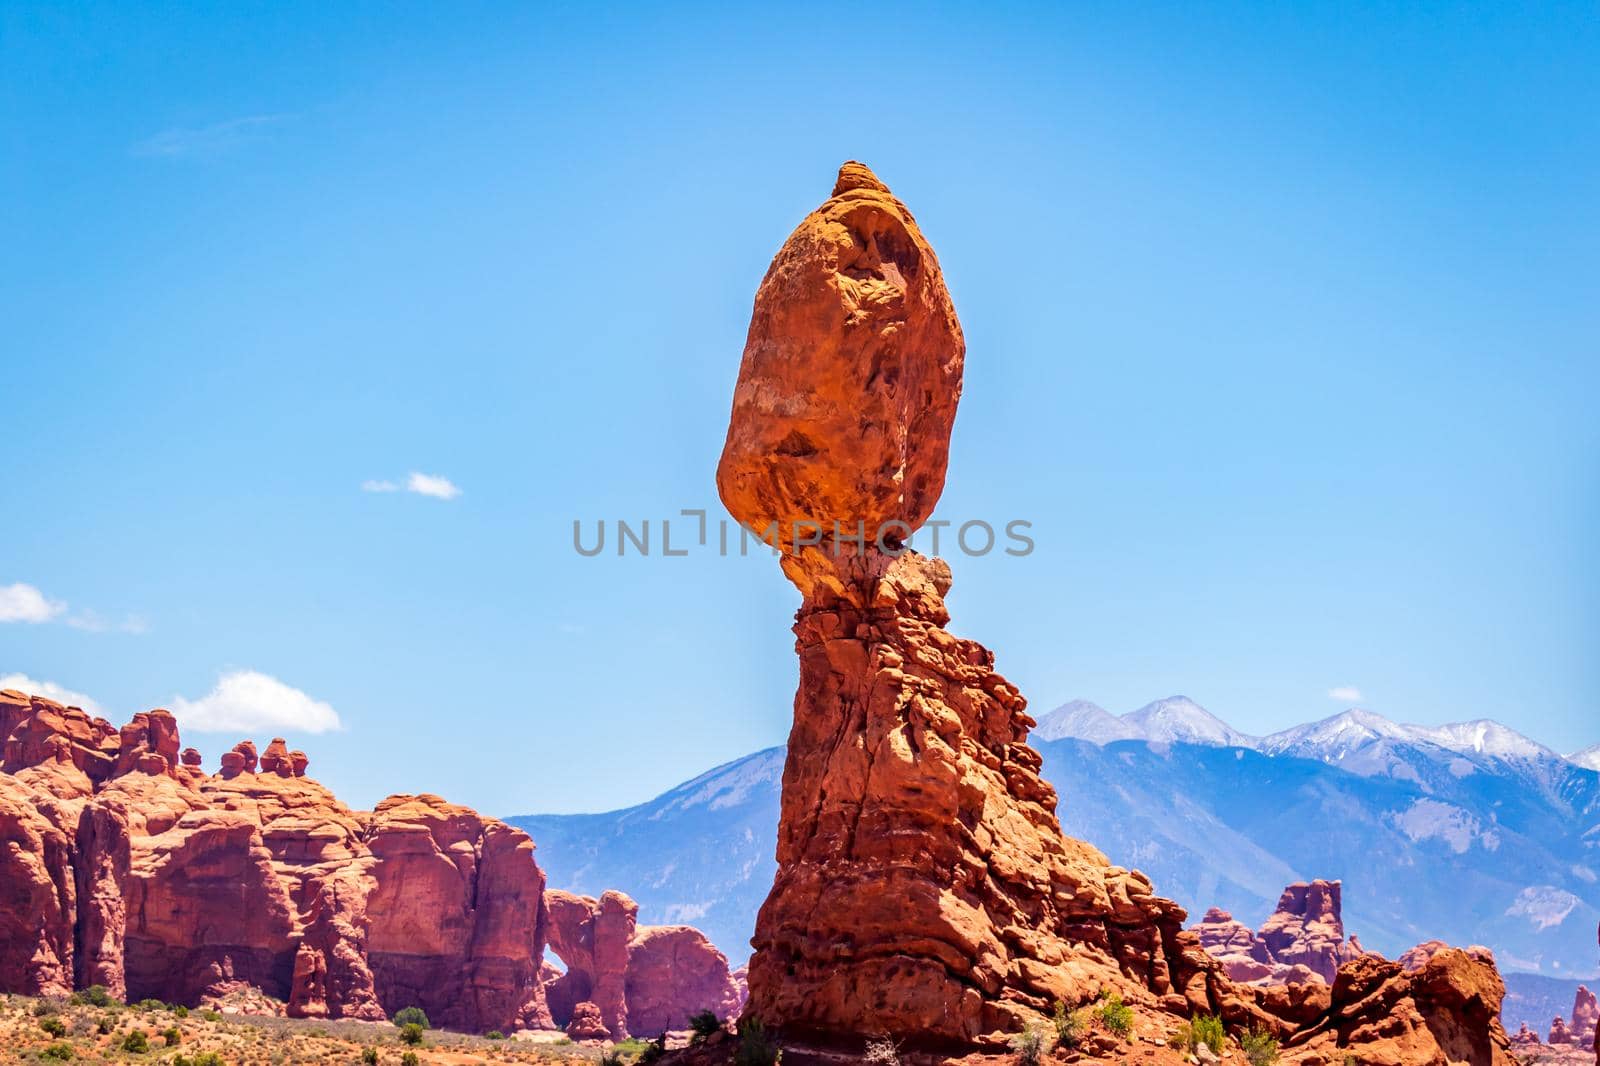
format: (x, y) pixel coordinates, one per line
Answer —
(1303, 939)
(1585, 1014)
(642, 980)
(1445, 1013)
(924, 888)
(124, 864)
(1559, 1033)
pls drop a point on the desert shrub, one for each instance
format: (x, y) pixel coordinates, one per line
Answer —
(57, 1052)
(369, 1055)
(105, 1024)
(136, 1042)
(411, 1016)
(409, 1059)
(654, 1050)
(180, 1011)
(171, 1035)
(97, 996)
(756, 1048)
(1260, 1047)
(703, 1025)
(43, 1007)
(75, 1000)
(1201, 1029)
(494, 1034)
(211, 1015)
(53, 1025)
(1070, 1025)
(612, 1058)
(1116, 1015)
(883, 1052)
(1029, 1045)
(411, 1033)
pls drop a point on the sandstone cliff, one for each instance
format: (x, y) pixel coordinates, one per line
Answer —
(127, 866)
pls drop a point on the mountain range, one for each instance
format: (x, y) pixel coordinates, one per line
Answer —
(1470, 833)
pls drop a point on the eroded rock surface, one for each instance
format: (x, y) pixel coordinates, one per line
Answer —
(642, 980)
(123, 864)
(924, 888)
(1302, 940)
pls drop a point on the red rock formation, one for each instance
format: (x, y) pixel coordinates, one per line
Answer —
(1585, 1013)
(121, 867)
(1302, 940)
(643, 980)
(851, 373)
(1525, 1039)
(1559, 1033)
(674, 972)
(586, 1023)
(924, 889)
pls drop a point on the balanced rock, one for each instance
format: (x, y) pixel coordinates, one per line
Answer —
(851, 374)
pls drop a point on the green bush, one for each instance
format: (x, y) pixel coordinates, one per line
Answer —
(98, 996)
(208, 1058)
(149, 1005)
(1116, 1016)
(136, 1042)
(1070, 1025)
(180, 1011)
(703, 1025)
(756, 1048)
(172, 1036)
(1201, 1029)
(409, 1059)
(411, 1033)
(369, 1055)
(1260, 1047)
(54, 1026)
(105, 1024)
(211, 1015)
(1029, 1045)
(654, 1050)
(58, 1052)
(75, 1000)
(411, 1016)
(43, 1007)
(494, 1034)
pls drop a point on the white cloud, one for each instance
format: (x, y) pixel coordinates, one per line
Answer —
(440, 488)
(50, 691)
(178, 142)
(247, 701)
(1345, 694)
(24, 603)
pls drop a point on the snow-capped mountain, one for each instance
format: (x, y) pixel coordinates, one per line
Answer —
(1086, 721)
(1470, 833)
(1174, 720)
(1588, 758)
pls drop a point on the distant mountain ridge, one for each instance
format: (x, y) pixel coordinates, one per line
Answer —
(1470, 833)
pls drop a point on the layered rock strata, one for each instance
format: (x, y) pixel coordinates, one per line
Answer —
(642, 980)
(1302, 940)
(128, 866)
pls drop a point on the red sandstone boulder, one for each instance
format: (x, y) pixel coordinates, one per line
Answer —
(586, 1023)
(1559, 1033)
(851, 373)
(275, 760)
(247, 752)
(191, 758)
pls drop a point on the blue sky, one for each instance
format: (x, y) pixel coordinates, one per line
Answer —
(1282, 331)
